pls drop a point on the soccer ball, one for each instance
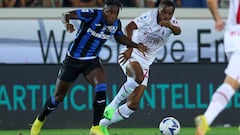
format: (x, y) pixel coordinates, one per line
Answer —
(169, 126)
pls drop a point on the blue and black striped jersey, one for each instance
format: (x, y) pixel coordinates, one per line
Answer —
(93, 33)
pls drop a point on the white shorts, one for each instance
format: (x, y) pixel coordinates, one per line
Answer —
(232, 39)
(233, 68)
(144, 67)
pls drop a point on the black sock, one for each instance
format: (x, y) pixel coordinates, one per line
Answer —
(49, 106)
(99, 106)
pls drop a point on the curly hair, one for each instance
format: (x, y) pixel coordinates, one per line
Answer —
(114, 3)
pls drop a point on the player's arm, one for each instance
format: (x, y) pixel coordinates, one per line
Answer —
(175, 29)
(129, 31)
(66, 16)
(85, 15)
(124, 56)
(213, 7)
(130, 28)
(123, 39)
(126, 41)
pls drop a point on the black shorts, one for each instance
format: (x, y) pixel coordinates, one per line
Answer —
(71, 68)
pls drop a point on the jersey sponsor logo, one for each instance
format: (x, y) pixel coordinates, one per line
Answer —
(98, 35)
(152, 40)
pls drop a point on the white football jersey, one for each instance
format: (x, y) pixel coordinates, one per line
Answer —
(151, 34)
(232, 33)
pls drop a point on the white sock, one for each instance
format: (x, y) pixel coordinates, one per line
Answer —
(123, 112)
(126, 89)
(105, 122)
(219, 100)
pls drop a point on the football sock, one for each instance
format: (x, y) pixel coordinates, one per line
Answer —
(126, 89)
(123, 112)
(219, 101)
(49, 106)
(99, 103)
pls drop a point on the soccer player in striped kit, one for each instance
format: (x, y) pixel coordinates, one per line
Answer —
(231, 83)
(97, 26)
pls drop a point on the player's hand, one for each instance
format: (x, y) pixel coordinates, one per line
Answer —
(165, 23)
(219, 25)
(123, 57)
(69, 27)
(142, 48)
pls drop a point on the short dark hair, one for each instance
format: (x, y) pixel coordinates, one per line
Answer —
(168, 3)
(113, 3)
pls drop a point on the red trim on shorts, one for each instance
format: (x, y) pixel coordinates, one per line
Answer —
(238, 14)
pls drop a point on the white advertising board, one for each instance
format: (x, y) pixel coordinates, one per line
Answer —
(21, 41)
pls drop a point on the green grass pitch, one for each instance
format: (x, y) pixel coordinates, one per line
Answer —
(123, 131)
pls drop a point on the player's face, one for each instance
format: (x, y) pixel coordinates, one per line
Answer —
(165, 13)
(111, 13)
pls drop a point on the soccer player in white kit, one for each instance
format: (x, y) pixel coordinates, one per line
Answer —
(231, 83)
(153, 30)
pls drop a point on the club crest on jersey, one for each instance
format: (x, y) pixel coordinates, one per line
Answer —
(112, 29)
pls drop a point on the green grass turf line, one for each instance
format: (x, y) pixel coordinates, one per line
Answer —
(123, 131)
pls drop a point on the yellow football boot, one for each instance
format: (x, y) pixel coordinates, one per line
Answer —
(201, 125)
(99, 130)
(36, 127)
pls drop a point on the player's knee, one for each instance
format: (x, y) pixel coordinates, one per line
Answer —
(139, 79)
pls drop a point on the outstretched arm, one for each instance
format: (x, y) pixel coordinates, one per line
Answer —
(213, 7)
(129, 29)
(126, 41)
(127, 54)
(66, 16)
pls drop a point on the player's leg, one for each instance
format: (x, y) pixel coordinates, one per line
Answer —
(97, 77)
(125, 90)
(219, 100)
(125, 110)
(50, 105)
(141, 74)
(135, 76)
(66, 77)
(221, 96)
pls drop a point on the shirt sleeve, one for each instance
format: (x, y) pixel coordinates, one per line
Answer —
(142, 20)
(119, 31)
(86, 15)
(174, 21)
